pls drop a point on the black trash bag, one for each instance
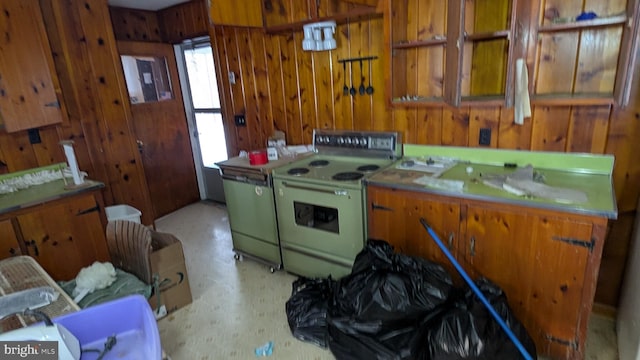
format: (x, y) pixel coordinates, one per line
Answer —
(467, 330)
(385, 286)
(308, 309)
(353, 340)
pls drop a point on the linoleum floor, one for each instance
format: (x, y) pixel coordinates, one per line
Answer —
(239, 305)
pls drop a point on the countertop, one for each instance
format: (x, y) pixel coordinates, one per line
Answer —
(240, 162)
(588, 173)
(40, 194)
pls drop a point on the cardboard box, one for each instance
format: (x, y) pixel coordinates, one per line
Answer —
(167, 263)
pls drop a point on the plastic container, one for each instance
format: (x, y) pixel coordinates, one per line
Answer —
(129, 318)
(123, 212)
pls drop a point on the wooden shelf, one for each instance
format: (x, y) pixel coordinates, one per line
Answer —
(487, 35)
(587, 24)
(354, 15)
(419, 43)
(572, 99)
(426, 102)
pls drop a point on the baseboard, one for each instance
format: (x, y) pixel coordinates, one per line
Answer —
(605, 310)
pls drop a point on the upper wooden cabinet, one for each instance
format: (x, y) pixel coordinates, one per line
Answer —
(466, 51)
(586, 60)
(29, 90)
(450, 51)
(236, 13)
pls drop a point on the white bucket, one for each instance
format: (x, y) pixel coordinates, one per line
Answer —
(123, 212)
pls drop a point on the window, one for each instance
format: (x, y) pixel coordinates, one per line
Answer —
(198, 57)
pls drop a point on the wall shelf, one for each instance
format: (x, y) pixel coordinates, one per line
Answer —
(586, 24)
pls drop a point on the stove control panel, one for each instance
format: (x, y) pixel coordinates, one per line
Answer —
(369, 143)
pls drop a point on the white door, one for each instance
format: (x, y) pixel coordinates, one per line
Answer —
(202, 104)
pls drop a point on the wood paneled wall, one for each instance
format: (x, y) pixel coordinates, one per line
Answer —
(280, 87)
(88, 67)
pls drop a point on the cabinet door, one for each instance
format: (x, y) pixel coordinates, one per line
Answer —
(540, 262)
(65, 236)
(394, 216)
(28, 83)
(9, 245)
(237, 13)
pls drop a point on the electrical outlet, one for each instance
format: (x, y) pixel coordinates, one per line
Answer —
(34, 136)
(485, 136)
(240, 120)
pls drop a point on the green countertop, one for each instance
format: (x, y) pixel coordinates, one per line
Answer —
(588, 173)
(40, 194)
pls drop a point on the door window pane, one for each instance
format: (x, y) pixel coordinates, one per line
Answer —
(202, 78)
(213, 145)
(147, 78)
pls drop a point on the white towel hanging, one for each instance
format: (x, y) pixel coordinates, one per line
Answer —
(522, 106)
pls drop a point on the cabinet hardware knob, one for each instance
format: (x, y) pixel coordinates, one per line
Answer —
(451, 241)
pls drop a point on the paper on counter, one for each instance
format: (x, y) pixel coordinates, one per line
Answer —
(453, 185)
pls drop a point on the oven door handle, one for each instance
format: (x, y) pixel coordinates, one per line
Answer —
(332, 192)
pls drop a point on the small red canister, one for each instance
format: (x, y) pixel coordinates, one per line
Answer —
(258, 157)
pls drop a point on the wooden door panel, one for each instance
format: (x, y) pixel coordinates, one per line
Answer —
(394, 216)
(28, 98)
(540, 264)
(555, 294)
(65, 237)
(162, 131)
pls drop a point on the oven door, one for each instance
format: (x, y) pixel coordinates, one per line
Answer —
(320, 220)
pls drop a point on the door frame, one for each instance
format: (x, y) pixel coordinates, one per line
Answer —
(209, 179)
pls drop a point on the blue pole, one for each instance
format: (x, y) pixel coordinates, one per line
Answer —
(477, 291)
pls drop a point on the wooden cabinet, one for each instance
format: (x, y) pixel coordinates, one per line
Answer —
(586, 60)
(466, 51)
(29, 98)
(394, 216)
(9, 244)
(545, 261)
(63, 235)
(236, 13)
(453, 53)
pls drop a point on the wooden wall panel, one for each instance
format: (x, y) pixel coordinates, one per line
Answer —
(253, 129)
(550, 127)
(512, 135)
(306, 89)
(276, 86)
(455, 126)
(588, 129)
(261, 78)
(343, 103)
(488, 118)
(135, 25)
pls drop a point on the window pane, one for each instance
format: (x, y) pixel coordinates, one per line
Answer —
(213, 145)
(147, 78)
(202, 78)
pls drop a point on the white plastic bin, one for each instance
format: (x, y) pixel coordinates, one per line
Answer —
(123, 212)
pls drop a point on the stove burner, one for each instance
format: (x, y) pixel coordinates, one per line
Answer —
(319, 163)
(297, 171)
(366, 168)
(349, 175)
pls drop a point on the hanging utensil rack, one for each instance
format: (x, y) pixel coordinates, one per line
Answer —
(365, 58)
(351, 90)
